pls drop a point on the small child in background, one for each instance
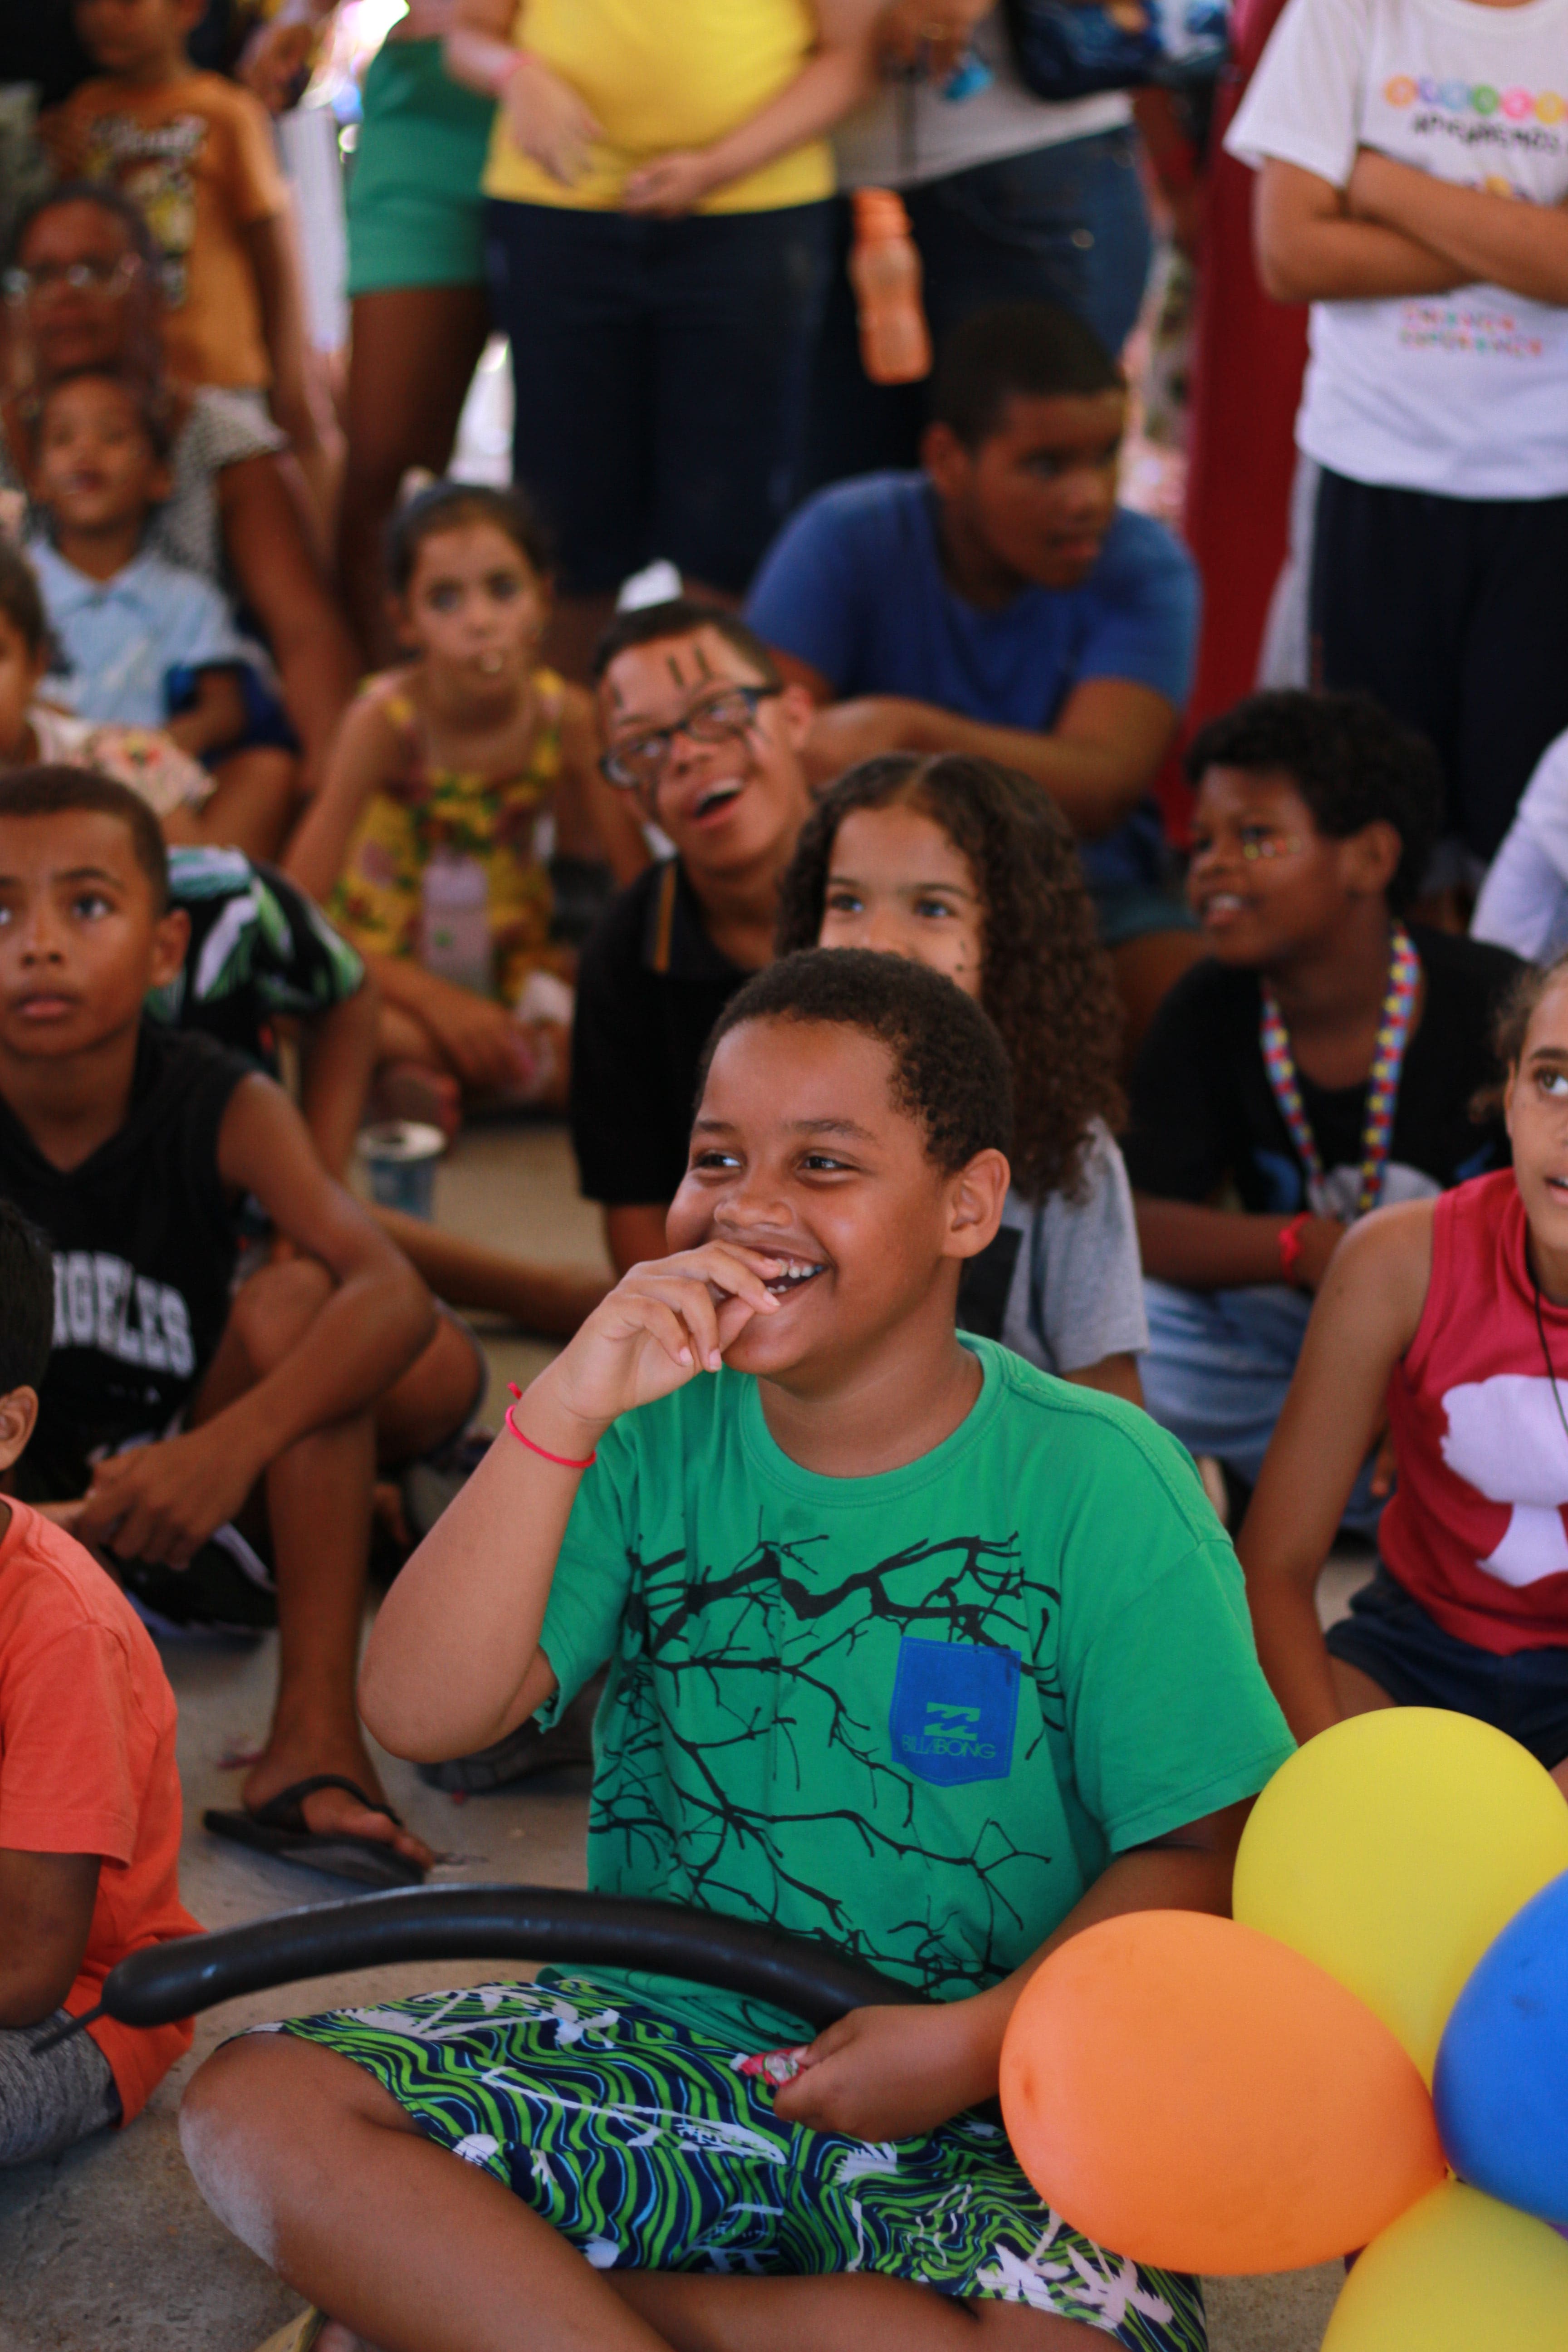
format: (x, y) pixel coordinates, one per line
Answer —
(966, 867)
(140, 641)
(34, 733)
(90, 1793)
(195, 153)
(427, 840)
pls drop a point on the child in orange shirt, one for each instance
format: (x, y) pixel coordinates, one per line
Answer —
(89, 1795)
(195, 153)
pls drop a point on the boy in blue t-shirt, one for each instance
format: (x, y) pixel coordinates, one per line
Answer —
(911, 1648)
(1001, 605)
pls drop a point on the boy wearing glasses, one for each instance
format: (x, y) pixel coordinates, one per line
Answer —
(705, 740)
(1321, 1061)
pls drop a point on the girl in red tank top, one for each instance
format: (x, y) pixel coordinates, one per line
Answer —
(1449, 1319)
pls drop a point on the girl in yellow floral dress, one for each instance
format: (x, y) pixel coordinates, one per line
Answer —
(427, 842)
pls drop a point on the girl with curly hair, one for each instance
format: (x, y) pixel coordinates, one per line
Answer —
(966, 865)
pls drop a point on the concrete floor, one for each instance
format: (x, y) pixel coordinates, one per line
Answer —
(111, 2249)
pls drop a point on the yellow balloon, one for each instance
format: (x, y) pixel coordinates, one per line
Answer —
(1458, 2273)
(1393, 1849)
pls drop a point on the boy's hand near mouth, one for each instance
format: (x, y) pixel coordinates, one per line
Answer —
(664, 1322)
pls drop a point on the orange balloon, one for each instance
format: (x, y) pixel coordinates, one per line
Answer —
(1192, 2094)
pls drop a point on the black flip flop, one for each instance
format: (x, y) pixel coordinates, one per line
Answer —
(279, 1828)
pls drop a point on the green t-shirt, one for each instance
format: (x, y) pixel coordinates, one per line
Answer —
(914, 1713)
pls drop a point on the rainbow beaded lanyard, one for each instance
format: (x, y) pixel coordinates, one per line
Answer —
(1383, 1087)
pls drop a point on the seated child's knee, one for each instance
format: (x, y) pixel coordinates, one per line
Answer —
(228, 2130)
(273, 1310)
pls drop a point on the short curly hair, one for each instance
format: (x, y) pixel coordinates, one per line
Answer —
(1045, 979)
(1352, 764)
(950, 1069)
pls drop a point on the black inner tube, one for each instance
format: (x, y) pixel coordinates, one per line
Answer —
(806, 1979)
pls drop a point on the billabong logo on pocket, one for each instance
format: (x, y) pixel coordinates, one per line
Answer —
(954, 1709)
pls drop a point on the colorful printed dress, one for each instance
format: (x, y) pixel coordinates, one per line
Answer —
(495, 819)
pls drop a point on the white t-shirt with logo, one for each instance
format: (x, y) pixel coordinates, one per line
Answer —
(1463, 393)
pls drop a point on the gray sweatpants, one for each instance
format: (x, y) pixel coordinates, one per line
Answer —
(50, 2099)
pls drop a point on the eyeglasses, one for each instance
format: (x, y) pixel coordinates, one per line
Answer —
(81, 277)
(637, 765)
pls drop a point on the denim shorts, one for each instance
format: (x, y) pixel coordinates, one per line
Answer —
(1391, 1637)
(1064, 224)
(661, 369)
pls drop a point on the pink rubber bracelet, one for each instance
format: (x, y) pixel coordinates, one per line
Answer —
(562, 1461)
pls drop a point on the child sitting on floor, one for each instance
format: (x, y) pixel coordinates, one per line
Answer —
(173, 1404)
(426, 841)
(1449, 1317)
(140, 641)
(966, 867)
(34, 733)
(89, 1795)
(1322, 1060)
(910, 1648)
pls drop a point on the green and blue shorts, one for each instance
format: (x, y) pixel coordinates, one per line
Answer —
(643, 2141)
(415, 214)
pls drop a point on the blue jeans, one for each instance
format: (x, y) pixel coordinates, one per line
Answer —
(1219, 1365)
(661, 369)
(1064, 224)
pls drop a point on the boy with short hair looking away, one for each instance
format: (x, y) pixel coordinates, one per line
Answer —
(89, 1791)
(1322, 1060)
(910, 1647)
(703, 737)
(1000, 605)
(170, 1397)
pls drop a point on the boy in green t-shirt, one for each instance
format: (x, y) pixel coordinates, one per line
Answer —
(910, 1647)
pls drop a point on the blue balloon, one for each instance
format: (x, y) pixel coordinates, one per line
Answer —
(1501, 2084)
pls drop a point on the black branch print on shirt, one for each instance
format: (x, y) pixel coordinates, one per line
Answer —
(764, 1656)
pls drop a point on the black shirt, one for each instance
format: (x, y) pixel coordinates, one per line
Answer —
(145, 1254)
(650, 986)
(1203, 1112)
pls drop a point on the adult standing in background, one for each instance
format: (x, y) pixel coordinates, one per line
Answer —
(658, 249)
(1010, 197)
(419, 314)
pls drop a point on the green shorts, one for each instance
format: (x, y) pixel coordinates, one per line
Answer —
(415, 214)
(644, 2143)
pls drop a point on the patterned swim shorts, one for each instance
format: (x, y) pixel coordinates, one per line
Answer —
(643, 2142)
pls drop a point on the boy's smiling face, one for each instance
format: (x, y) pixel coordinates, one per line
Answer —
(736, 799)
(81, 940)
(799, 1152)
(1263, 880)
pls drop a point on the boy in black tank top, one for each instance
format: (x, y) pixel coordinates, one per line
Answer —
(169, 1402)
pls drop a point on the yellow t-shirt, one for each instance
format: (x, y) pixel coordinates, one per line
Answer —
(661, 75)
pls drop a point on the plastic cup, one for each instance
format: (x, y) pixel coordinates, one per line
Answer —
(400, 1156)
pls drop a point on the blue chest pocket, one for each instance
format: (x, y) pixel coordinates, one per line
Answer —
(954, 1710)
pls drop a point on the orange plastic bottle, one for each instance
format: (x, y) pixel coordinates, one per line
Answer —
(885, 271)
